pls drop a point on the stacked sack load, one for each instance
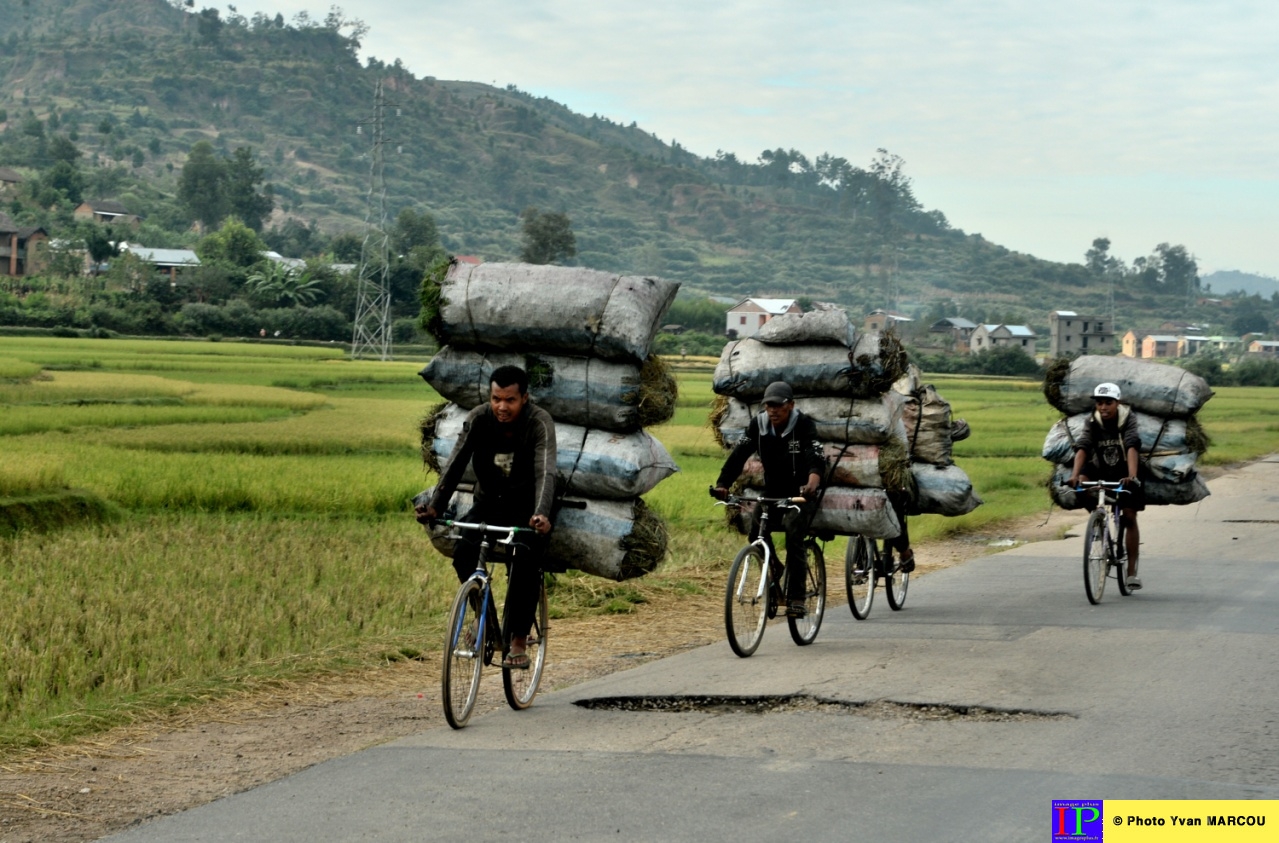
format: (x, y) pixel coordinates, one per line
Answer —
(1165, 400)
(841, 381)
(941, 487)
(583, 336)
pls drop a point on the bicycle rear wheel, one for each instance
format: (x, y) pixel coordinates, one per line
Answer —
(896, 581)
(1096, 561)
(521, 685)
(804, 630)
(463, 655)
(859, 575)
(746, 600)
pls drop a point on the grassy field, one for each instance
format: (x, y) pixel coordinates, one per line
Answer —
(187, 519)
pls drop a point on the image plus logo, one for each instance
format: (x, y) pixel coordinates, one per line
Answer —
(1077, 821)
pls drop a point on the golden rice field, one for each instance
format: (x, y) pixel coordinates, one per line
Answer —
(260, 527)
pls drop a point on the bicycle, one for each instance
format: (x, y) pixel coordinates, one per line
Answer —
(757, 584)
(470, 640)
(1104, 540)
(864, 565)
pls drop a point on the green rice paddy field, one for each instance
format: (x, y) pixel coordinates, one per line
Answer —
(180, 520)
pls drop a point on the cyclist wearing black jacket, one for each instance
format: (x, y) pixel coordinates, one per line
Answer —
(1108, 449)
(786, 441)
(510, 444)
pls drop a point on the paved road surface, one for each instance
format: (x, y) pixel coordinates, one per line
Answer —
(1169, 694)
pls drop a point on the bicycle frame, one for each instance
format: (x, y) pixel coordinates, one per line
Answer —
(482, 573)
(764, 539)
(1108, 493)
(1105, 527)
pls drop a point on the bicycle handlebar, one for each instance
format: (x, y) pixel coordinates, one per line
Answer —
(737, 500)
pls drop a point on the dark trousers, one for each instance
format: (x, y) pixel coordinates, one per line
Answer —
(795, 525)
(901, 544)
(525, 579)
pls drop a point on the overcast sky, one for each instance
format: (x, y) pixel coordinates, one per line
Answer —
(1039, 125)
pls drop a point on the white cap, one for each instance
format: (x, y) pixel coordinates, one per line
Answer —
(1106, 390)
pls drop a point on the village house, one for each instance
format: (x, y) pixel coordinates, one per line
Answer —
(167, 261)
(745, 318)
(1071, 333)
(1130, 345)
(18, 253)
(9, 180)
(1270, 348)
(1160, 345)
(958, 331)
(998, 336)
(882, 320)
(104, 210)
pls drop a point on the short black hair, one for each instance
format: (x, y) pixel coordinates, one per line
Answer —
(504, 376)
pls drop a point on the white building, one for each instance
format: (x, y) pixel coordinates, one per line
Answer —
(746, 317)
(997, 336)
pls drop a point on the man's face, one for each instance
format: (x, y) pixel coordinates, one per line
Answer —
(779, 414)
(507, 401)
(1107, 408)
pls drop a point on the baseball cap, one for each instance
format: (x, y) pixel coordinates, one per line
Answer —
(1106, 390)
(778, 392)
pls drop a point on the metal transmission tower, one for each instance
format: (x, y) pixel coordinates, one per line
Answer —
(372, 335)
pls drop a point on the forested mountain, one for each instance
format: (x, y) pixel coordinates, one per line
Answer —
(134, 85)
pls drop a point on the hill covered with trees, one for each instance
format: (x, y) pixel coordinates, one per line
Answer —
(120, 99)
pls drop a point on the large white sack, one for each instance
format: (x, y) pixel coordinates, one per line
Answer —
(865, 466)
(1158, 436)
(618, 540)
(1155, 388)
(746, 368)
(578, 390)
(819, 327)
(1157, 492)
(859, 421)
(590, 463)
(926, 416)
(943, 490)
(848, 511)
(555, 309)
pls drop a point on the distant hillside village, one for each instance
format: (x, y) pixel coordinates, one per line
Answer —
(1069, 334)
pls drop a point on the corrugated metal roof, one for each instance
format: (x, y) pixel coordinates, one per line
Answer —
(164, 257)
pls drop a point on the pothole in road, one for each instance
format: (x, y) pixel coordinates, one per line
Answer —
(792, 703)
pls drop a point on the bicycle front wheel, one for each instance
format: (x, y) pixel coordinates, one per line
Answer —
(1096, 560)
(463, 654)
(859, 575)
(896, 582)
(804, 630)
(746, 600)
(521, 685)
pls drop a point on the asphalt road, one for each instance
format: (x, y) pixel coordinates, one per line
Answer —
(997, 689)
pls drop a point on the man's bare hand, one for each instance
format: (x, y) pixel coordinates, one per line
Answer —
(424, 514)
(540, 523)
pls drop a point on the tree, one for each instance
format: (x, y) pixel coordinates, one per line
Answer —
(232, 245)
(241, 176)
(1098, 259)
(281, 286)
(97, 242)
(1250, 322)
(201, 185)
(547, 237)
(412, 230)
(1177, 268)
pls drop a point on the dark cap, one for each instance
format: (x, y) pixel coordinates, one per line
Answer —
(778, 392)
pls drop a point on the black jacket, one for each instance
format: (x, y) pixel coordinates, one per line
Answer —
(514, 465)
(788, 456)
(1106, 444)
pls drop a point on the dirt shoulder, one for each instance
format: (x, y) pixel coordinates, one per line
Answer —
(86, 790)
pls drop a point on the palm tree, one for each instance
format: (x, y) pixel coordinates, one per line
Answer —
(285, 287)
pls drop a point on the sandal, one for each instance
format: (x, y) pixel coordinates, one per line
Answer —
(908, 563)
(516, 661)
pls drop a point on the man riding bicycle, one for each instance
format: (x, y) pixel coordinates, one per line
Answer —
(786, 441)
(510, 444)
(1107, 449)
